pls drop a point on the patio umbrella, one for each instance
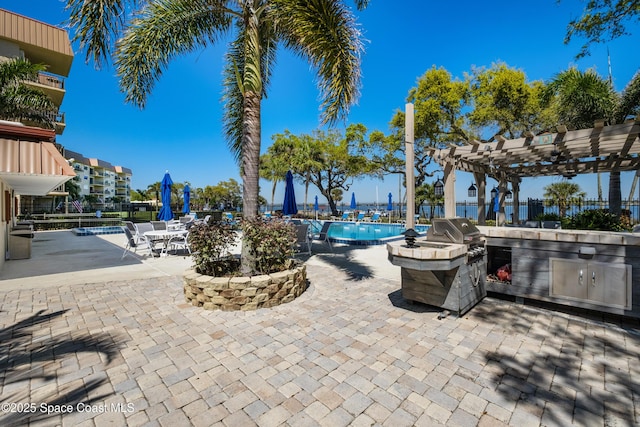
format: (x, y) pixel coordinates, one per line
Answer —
(316, 207)
(289, 206)
(390, 206)
(187, 199)
(353, 204)
(165, 213)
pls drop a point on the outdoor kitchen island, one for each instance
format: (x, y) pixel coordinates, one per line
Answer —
(594, 270)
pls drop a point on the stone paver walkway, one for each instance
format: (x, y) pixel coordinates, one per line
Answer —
(349, 351)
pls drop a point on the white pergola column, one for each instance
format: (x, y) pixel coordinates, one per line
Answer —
(481, 183)
(449, 191)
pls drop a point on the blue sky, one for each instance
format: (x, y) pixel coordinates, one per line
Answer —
(180, 128)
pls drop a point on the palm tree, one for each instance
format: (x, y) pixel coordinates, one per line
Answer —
(583, 97)
(563, 194)
(322, 31)
(274, 170)
(19, 101)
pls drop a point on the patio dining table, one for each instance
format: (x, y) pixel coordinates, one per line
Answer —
(165, 236)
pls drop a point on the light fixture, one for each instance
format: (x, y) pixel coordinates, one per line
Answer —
(555, 154)
(494, 192)
(438, 188)
(473, 191)
(410, 237)
(508, 195)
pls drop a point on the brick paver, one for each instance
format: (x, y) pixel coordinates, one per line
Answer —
(349, 351)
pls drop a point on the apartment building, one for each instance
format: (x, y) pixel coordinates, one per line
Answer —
(108, 184)
(31, 163)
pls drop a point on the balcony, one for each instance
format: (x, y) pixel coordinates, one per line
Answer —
(50, 84)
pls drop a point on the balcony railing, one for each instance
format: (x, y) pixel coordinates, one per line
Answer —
(50, 80)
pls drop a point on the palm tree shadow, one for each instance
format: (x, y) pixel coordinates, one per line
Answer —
(341, 257)
(27, 358)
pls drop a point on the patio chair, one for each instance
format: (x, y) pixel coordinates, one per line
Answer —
(302, 237)
(180, 242)
(159, 225)
(134, 231)
(228, 216)
(552, 224)
(345, 216)
(360, 216)
(375, 217)
(133, 244)
(143, 227)
(324, 236)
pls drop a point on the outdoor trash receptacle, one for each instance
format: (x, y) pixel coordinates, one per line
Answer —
(20, 243)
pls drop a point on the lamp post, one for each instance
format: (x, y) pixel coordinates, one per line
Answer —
(438, 188)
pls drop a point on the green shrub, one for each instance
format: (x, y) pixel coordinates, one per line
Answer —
(272, 243)
(596, 219)
(210, 245)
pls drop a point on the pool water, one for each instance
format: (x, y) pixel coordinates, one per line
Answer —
(93, 231)
(368, 233)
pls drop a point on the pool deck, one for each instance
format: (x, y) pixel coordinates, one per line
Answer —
(82, 328)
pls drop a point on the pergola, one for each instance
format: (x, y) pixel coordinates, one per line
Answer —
(565, 153)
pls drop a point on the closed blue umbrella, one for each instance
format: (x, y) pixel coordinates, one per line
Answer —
(390, 206)
(353, 204)
(316, 207)
(289, 206)
(187, 199)
(165, 213)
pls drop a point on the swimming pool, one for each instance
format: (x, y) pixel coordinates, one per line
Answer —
(93, 231)
(364, 233)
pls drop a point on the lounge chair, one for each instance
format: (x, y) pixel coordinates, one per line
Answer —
(228, 216)
(375, 217)
(345, 216)
(324, 236)
(360, 216)
(552, 224)
(302, 236)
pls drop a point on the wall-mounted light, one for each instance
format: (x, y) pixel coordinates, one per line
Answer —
(508, 195)
(472, 191)
(438, 188)
(494, 192)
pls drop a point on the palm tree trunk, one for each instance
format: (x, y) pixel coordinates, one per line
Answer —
(615, 193)
(250, 172)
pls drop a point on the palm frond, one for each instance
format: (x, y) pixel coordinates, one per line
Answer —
(98, 25)
(326, 34)
(159, 32)
(233, 95)
(629, 104)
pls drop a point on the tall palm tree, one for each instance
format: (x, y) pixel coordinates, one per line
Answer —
(324, 32)
(563, 194)
(19, 101)
(583, 97)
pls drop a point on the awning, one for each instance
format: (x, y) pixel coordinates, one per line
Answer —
(32, 167)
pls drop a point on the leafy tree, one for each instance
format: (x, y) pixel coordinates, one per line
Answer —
(601, 21)
(91, 200)
(563, 194)
(324, 32)
(505, 102)
(439, 102)
(19, 101)
(335, 160)
(225, 194)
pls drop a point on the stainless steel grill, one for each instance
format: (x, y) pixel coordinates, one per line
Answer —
(450, 271)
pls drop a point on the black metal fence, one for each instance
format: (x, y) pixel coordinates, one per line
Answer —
(531, 208)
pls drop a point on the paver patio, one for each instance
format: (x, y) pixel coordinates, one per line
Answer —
(349, 351)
